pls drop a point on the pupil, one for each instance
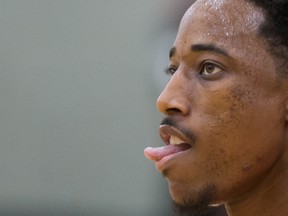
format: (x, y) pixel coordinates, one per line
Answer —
(210, 68)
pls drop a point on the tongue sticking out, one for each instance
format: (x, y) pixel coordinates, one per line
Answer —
(156, 154)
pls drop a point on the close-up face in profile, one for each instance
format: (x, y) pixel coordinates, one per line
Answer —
(219, 134)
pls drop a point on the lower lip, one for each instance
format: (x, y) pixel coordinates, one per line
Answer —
(167, 160)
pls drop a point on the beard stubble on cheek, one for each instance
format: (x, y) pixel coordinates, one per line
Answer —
(196, 203)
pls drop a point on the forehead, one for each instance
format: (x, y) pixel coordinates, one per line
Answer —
(242, 13)
(222, 22)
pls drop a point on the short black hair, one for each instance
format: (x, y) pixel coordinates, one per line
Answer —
(275, 29)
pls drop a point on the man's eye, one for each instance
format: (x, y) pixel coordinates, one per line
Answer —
(209, 70)
(170, 70)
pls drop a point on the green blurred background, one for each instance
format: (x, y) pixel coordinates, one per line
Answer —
(78, 84)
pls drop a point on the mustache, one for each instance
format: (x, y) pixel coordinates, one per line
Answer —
(188, 133)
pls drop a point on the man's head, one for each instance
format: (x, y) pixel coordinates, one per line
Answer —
(225, 104)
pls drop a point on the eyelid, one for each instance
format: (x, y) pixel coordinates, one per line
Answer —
(220, 67)
(211, 62)
(168, 70)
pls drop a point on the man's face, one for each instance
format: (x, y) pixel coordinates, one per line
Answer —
(225, 100)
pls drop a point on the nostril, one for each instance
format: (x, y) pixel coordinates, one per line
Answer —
(170, 111)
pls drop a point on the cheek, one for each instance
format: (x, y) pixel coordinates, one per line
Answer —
(239, 141)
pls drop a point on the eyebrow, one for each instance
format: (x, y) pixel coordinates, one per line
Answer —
(210, 48)
(201, 48)
(172, 52)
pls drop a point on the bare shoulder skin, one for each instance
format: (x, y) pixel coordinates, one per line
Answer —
(226, 113)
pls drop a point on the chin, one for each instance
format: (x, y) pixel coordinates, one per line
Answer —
(193, 200)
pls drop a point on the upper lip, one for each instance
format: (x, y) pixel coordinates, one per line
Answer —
(166, 131)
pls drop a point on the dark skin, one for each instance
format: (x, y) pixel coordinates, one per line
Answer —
(226, 91)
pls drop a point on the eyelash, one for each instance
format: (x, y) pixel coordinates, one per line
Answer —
(170, 70)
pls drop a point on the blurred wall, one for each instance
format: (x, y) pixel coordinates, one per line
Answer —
(78, 84)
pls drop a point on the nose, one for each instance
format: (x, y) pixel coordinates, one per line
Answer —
(173, 100)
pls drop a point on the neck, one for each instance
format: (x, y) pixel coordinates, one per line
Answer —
(268, 198)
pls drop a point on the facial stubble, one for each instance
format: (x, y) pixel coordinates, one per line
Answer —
(196, 203)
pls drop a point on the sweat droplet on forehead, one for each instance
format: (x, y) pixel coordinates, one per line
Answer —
(228, 13)
(214, 4)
